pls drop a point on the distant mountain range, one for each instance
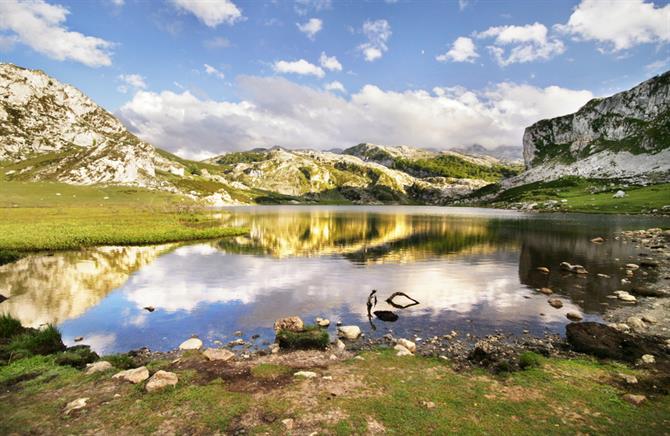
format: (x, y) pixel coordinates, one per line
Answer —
(52, 132)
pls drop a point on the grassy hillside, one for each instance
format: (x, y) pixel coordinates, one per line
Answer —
(53, 216)
(453, 166)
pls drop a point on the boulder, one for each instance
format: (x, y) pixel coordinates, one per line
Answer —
(100, 366)
(77, 404)
(191, 344)
(648, 359)
(555, 303)
(635, 400)
(603, 341)
(135, 375)
(402, 351)
(350, 332)
(574, 316)
(290, 323)
(161, 380)
(636, 323)
(411, 346)
(339, 345)
(218, 354)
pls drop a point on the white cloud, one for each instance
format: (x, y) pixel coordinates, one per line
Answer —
(213, 71)
(462, 4)
(330, 62)
(276, 111)
(134, 80)
(301, 67)
(302, 7)
(378, 32)
(619, 24)
(118, 3)
(528, 43)
(212, 13)
(463, 50)
(217, 42)
(41, 26)
(658, 66)
(335, 86)
(311, 27)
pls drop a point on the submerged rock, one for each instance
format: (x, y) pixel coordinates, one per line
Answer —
(350, 332)
(574, 316)
(191, 344)
(555, 303)
(322, 322)
(290, 323)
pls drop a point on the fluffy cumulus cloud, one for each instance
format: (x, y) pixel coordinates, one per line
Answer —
(378, 33)
(300, 66)
(311, 27)
(276, 111)
(134, 81)
(619, 24)
(462, 50)
(335, 86)
(41, 26)
(521, 44)
(330, 62)
(212, 13)
(213, 71)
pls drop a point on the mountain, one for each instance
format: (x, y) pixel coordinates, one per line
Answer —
(51, 131)
(506, 153)
(622, 136)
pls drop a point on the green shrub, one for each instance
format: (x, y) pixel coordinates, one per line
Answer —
(9, 327)
(7, 256)
(121, 361)
(45, 341)
(194, 170)
(312, 337)
(529, 359)
(77, 357)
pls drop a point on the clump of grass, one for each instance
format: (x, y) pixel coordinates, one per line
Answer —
(9, 326)
(8, 256)
(45, 341)
(529, 360)
(312, 337)
(121, 361)
(77, 357)
(270, 371)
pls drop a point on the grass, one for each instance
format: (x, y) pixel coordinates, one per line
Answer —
(558, 396)
(453, 166)
(43, 341)
(586, 195)
(312, 337)
(9, 327)
(56, 216)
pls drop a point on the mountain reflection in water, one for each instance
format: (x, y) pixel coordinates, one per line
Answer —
(472, 270)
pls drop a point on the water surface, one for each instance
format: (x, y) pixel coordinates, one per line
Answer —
(472, 270)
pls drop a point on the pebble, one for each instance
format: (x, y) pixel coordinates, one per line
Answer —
(574, 316)
(543, 269)
(546, 291)
(555, 303)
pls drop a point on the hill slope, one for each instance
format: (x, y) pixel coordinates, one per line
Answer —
(625, 135)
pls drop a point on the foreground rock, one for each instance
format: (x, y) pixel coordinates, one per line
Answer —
(77, 404)
(100, 366)
(606, 342)
(191, 344)
(636, 400)
(135, 375)
(411, 346)
(291, 324)
(161, 380)
(218, 354)
(350, 332)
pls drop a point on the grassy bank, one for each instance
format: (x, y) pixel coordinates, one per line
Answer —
(381, 392)
(576, 194)
(56, 216)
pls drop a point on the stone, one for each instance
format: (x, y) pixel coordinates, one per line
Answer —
(161, 380)
(236, 342)
(290, 323)
(574, 316)
(321, 322)
(555, 303)
(625, 296)
(648, 359)
(630, 379)
(428, 404)
(340, 346)
(350, 332)
(288, 423)
(619, 194)
(135, 375)
(411, 346)
(649, 319)
(402, 351)
(543, 269)
(635, 400)
(632, 266)
(77, 404)
(78, 338)
(274, 348)
(218, 354)
(635, 323)
(99, 366)
(305, 374)
(191, 344)
(603, 276)
(546, 291)
(238, 333)
(598, 240)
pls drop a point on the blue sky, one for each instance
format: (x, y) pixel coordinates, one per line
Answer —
(203, 77)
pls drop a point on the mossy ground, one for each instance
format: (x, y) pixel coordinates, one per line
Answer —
(586, 195)
(383, 392)
(54, 216)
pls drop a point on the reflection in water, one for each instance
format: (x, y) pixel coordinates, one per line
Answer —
(471, 270)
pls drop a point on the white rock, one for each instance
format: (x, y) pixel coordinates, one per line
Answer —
(411, 346)
(636, 323)
(135, 375)
(77, 404)
(99, 366)
(218, 354)
(191, 344)
(349, 332)
(402, 351)
(619, 194)
(322, 322)
(305, 374)
(340, 346)
(161, 380)
(648, 359)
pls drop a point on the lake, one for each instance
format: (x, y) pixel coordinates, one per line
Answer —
(471, 270)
